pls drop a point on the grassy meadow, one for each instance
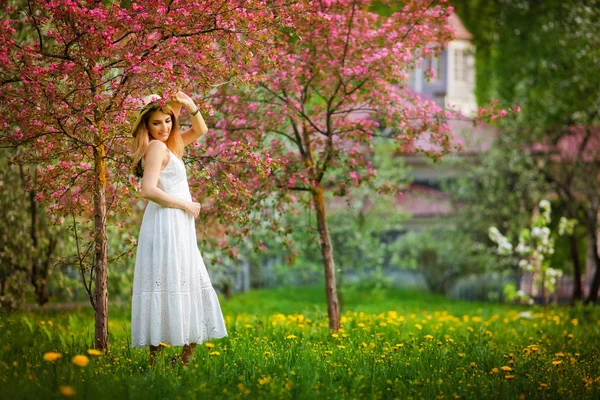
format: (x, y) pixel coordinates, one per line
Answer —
(393, 344)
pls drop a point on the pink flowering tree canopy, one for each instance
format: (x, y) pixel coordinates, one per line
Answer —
(341, 74)
(72, 73)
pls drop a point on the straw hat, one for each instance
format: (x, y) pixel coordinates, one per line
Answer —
(148, 103)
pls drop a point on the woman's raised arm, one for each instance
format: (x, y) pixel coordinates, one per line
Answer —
(199, 127)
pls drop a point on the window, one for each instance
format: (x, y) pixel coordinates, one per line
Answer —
(463, 66)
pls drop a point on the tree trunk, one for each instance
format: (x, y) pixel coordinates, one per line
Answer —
(101, 248)
(577, 289)
(328, 263)
(595, 285)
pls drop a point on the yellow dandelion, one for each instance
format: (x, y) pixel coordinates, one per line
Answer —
(461, 354)
(418, 326)
(248, 326)
(383, 323)
(67, 390)
(575, 321)
(52, 356)
(94, 352)
(509, 377)
(556, 362)
(506, 368)
(472, 365)
(50, 323)
(335, 335)
(267, 353)
(328, 352)
(288, 385)
(209, 345)
(371, 345)
(264, 381)
(80, 360)
(428, 337)
(361, 325)
(399, 344)
(291, 337)
(341, 347)
(243, 388)
(214, 353)
(494, 371)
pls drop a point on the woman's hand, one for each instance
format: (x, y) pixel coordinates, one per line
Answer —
(193, 208)
(185, 100)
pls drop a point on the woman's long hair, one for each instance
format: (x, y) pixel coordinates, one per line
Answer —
(141, 139)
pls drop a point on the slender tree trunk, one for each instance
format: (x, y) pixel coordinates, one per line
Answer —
(328, 263)
(577, 289)
(595, 285)
(101, 248)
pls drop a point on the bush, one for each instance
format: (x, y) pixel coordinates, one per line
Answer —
(443, 256)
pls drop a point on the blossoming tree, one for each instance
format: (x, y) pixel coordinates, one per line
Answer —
(70, 74)
(343, 73)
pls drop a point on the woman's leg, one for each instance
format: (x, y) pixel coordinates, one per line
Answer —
(188, 352)
(154, 350)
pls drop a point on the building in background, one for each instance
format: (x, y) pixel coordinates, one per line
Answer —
(452, 87)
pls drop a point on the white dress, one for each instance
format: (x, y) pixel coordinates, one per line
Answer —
(173, 299)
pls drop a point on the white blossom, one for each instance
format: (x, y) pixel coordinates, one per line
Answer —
(522, 248)
(545, 208)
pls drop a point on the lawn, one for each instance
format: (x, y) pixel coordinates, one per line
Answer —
(393, 344)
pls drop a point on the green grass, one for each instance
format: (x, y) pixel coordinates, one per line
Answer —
(394, 344)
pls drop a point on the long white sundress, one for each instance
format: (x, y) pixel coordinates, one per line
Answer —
(173, 299)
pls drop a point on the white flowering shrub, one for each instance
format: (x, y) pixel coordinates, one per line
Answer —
(535, 245)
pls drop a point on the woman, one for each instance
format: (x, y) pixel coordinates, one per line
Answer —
(173, 299)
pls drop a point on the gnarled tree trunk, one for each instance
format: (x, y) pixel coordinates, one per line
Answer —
(101, 248)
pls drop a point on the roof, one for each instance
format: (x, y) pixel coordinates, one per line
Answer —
(415, 200)
(469, 138)
(424, 201)
(460, 32)
(571, 147)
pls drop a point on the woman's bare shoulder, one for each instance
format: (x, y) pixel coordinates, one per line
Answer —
(156, 147)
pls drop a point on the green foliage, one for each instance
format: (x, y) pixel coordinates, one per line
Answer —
(397, 344)
(443, 255)
(500, 188)
(539, 54)
(29, 241)
(511, 294)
